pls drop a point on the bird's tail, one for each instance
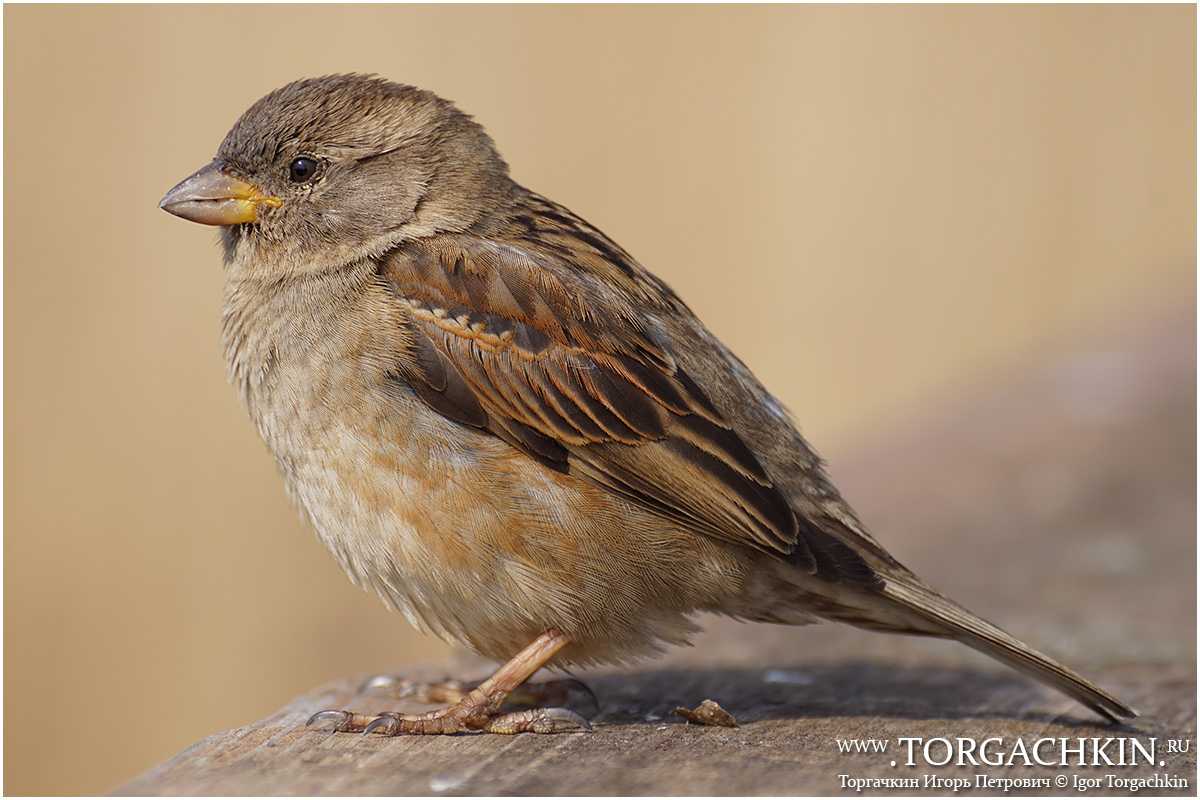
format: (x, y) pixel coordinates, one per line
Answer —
(945, 618)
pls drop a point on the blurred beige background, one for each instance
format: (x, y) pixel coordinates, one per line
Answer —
(872, 206)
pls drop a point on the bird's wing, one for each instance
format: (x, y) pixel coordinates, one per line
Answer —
(544, 337)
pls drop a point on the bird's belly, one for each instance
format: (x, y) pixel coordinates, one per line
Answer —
(479, 544)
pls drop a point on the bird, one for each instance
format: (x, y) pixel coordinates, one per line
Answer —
(504, 425)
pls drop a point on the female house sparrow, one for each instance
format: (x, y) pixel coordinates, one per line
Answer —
(502, 423)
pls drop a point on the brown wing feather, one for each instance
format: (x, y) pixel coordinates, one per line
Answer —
(520, 336)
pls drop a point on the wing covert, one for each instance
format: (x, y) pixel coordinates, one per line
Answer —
(506, 341)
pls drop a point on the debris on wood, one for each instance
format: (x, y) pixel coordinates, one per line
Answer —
(708, 713)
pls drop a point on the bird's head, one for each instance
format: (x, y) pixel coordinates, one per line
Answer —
(326, 171)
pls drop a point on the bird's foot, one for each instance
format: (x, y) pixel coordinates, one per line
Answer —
(474, 707)
(447, 691)
(476, 711)
(558, 692)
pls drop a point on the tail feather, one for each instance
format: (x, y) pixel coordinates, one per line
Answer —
(952, 620)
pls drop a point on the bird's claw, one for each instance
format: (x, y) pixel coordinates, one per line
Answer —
(575, 683)
(386, 724)
(337, 721)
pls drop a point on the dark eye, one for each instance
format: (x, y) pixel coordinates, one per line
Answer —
(302, 169)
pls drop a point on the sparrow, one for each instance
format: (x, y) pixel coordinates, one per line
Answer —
(509, 429)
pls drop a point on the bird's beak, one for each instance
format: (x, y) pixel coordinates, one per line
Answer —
(214, 197)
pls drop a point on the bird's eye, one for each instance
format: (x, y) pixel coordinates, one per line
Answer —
(302, 169)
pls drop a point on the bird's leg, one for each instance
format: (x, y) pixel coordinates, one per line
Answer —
(478, 709)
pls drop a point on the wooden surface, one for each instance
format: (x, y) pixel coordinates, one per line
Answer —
(1059, 503)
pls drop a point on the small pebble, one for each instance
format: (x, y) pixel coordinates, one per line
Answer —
(708, 713)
